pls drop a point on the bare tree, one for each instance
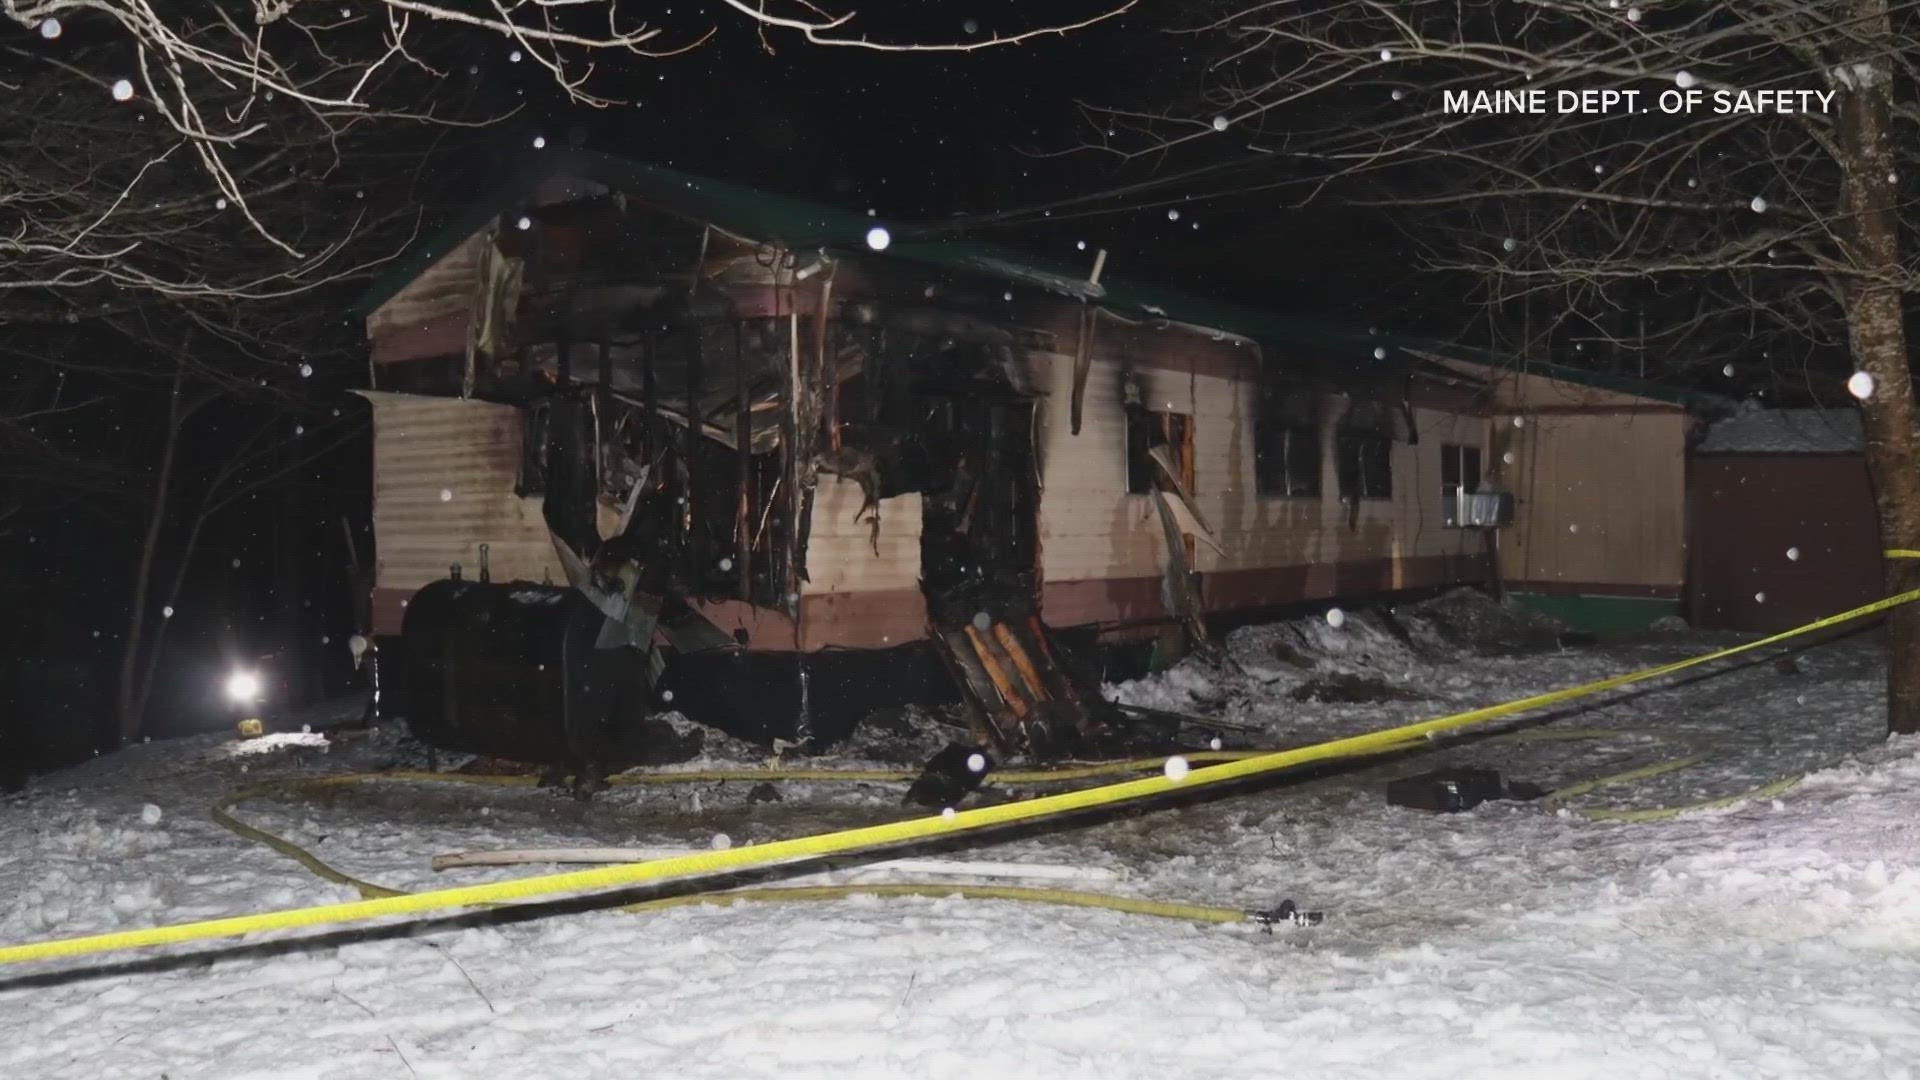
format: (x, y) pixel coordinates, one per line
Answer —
(224, 88)
(103, 445)
(1746, 202)
(177, 511)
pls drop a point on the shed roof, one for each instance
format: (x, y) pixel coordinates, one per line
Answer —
(797, 222)
(1786, 431)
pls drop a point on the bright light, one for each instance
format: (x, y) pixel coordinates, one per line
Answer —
(878, 238)
(243, 687)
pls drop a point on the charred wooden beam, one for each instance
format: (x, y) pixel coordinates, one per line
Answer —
(743, 521)
(696, 379)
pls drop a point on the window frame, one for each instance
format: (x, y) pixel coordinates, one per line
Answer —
(1300, 472)
(1464, 481)
(1353, 448)
(1175, 430)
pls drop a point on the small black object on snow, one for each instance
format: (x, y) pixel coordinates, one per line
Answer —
(1449, 791)
(949, 777)
(1288, 912)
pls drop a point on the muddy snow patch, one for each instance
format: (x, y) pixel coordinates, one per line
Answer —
(1377, 655)
(898, 736)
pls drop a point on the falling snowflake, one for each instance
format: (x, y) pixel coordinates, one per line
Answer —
(1398, 94)
(1893, 178)
(220, 203)
(726, 565)
(1759, 204)
(971, 26)
(666, 695)
(1793, 554)
(446, 494)
(1759, 598)
(539, 142)
(878, 238)
(1573, 528)
(976, 763)
(1598, 169)
(720, 842)
(982, 621)
(1860, 385)
(524, 223)
(167, 612)
(1508, 457)
(947, 813)
(514, 56)
(150, 814)
(1519, 421)
(1633, 14)
(1173, 213)
(122, 90)
(50, 28)
(1008, 295)
(1080, 245)
(1693, 182)
(1510, 244)
(1379, 352)
(1177, 768)
(1386, 54)
(1220, 123)
(1214, 743)
(1727, 371)
(1336, 617)
(306, 371)
(1684, 79)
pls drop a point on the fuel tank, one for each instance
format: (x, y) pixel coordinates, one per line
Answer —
(510, 670)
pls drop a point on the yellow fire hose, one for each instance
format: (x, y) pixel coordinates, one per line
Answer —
(221, 812)
(868, 838)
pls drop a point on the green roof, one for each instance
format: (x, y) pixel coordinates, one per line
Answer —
(797, 222)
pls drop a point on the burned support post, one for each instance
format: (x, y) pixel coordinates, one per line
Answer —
(604, 392)
(649, 415)
(795, 504)
(743, 433)
(696, 433)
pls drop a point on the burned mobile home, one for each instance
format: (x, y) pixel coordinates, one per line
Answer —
(643, 439)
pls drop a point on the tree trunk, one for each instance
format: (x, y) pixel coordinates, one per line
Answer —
(131, 703)
(1878, 336)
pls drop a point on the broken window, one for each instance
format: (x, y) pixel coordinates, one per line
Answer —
(1459, 475)
(532, 481)
(1366, 451)
(1286, 447)
(1147, 430)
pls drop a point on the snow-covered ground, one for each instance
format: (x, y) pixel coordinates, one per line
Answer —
(1777, 938)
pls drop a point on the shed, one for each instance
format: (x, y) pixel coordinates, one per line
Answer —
(1782, 520)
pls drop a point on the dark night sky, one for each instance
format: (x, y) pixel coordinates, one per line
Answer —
(923, 136)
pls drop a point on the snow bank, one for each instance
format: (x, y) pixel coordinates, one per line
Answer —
(1779, 938)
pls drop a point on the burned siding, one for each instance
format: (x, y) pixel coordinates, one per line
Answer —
(1103, 552)
(443, 484)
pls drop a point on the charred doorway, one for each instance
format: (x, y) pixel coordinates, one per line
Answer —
(979, 542)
